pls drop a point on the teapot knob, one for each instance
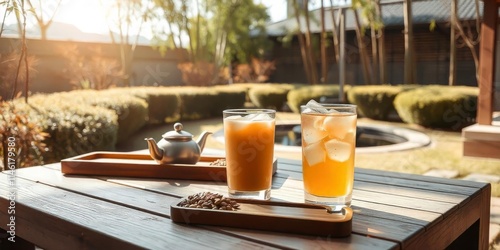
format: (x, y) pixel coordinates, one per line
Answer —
(178, 126)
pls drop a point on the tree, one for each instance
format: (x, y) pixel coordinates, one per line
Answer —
(371, 15)
(44, 14)
(127, 18)
(409, 64)
(13, 124)
(324, 65)
(218, 31)
(468, 38)
(453, 49)
(19, 61)
(305, 41)
(363, 55)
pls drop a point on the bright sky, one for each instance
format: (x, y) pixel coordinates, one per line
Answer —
(90, 17)
(86, 15)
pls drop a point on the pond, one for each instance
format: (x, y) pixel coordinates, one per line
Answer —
(370, 138)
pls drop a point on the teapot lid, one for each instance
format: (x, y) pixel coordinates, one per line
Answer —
(177, 133)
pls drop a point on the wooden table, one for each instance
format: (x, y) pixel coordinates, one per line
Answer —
(391, 211)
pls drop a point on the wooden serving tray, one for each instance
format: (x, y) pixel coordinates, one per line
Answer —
(142, 165)
(286, 217)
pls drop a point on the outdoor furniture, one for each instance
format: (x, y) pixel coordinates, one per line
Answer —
(391, 211)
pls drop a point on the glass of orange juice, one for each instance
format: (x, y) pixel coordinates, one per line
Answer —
(249, 143)
(328, 146)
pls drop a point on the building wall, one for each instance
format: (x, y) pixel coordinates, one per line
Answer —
(51, 70)
(432, 59)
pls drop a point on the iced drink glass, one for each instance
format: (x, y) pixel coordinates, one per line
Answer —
(328, 146)
(249, 143)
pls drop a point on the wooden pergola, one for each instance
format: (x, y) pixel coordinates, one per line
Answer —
(483, 139)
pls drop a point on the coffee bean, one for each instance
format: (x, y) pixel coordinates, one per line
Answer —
(208, 200)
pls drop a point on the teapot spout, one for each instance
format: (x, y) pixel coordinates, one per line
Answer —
(155, 152)
(202, 140)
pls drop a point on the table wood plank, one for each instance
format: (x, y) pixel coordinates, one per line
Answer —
(158, 203)
(384, 228)
(57, 219)
(440, 236)
(410, 192)
(420, 184)
(373, 190)
(451, 186)
(381, 227)
(294, 165)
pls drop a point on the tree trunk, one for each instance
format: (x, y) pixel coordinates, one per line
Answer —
(310, 53)
(381, 47)
(43, 32)
(335, 34)
(409, 74)
(453, 59)
(342, 55)
(374, 41)
(363, 55)
(324, 66)
(302, 44)
(471, 46)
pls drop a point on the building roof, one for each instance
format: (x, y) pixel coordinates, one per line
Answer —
(424, 12)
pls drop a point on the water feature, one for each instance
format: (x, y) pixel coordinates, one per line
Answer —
(370, 138)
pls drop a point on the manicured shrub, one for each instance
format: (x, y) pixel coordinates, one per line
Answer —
(269, 96)
(73, 129)
(163, 102)
(196, 103)
(376, 101)
(132, 112)
(451, 107)
(228, 98)
(300, 96)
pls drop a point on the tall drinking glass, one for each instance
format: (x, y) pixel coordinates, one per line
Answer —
(328, 146)
(249, 143)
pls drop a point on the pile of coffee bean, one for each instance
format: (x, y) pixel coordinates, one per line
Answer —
(218, 162)
(209, 200)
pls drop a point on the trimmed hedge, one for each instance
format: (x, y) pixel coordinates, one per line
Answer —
(196, 102)
(248, 86)
(163, 102)
(300, 96)
(132, 112)
(268, 96)
(452, 107)
(73, 129)
(228, 98)
(376, 101)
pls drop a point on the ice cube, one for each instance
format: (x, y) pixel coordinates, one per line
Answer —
(338, 126)
(316, 107)
(234, 117)
(313, 134)
(236, 122)
(250, 117)
(338, 150)
(307, 110)
(314, 154)
(260, 117)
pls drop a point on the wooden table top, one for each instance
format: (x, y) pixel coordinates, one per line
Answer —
(391, 211)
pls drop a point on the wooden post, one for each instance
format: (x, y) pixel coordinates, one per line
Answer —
(487, 62)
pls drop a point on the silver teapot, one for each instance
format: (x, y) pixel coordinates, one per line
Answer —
(177, 146)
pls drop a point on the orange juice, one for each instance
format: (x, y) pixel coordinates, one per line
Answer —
(328, 146)
(249, 153)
